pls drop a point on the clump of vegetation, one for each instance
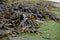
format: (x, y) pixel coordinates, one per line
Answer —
(23, 17)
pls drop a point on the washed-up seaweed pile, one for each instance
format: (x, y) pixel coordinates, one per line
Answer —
(23, 17)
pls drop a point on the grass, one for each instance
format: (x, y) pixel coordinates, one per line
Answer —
(51, 30)
(31, 36)
(56, 11)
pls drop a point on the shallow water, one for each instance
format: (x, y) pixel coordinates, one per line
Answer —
(54, 0)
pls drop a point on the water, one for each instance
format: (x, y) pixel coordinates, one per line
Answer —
(55, 0)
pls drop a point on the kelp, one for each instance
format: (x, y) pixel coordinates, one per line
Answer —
(23, 17)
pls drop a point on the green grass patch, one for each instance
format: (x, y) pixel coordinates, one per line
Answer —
(51, 30)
